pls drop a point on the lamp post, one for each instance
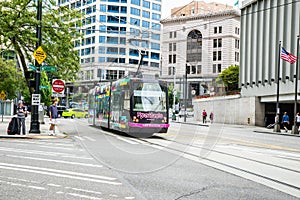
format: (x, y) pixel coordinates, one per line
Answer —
(295, 127)
(277, 125)
(174, 93)
(35, 124)
(185, 93)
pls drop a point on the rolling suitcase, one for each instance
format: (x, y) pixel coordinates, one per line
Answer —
(13, 126)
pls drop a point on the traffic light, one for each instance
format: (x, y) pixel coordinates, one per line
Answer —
(29, 75)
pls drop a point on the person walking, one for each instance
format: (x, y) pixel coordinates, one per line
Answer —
(204, 115)
(285, 121)
(298, 121)
(211, 117)
(21, 114)
(53, 114)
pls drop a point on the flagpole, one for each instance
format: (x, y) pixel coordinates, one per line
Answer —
(277, 124)
(295, 127)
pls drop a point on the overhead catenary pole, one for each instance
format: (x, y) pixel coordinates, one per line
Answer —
(295, 127)
(35, 124)
(277, 124)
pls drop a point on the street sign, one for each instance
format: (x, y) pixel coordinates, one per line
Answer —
(44, 86)
(35, 99)
(58, 86)
(32, 67)
(48, 68)
(39, 55)
(2, 95)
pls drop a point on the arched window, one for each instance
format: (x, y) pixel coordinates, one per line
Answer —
(194, 46)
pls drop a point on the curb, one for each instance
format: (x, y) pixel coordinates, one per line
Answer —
(276, 133)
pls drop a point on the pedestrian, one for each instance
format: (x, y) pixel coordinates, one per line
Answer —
(204, 115)
(298, 121)
(53, 114)
(285, 121)
(21, 114)
(211, 117)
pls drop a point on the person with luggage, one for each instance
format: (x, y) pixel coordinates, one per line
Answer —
(53, 114)
(21, 114)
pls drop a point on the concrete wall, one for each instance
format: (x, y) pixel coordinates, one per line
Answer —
(232, 110)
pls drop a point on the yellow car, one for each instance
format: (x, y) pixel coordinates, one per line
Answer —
(75, 113)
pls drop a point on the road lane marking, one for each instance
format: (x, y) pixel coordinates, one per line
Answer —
(58, 171)
(57, 161)
(126, 140)
(84, 196)
(82, 190)
(89, 138)
(78, 137)
(61, 175)
(48, 153)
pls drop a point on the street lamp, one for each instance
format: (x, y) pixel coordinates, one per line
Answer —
(295, 127)
(277, 125)
(174, 93)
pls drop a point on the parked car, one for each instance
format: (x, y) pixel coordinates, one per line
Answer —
(75, 113)
(60, 110)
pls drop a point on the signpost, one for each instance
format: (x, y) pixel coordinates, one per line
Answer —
(58, 86)
(36, 99)
(2, 98)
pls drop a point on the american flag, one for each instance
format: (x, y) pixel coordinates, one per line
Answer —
(288, 56)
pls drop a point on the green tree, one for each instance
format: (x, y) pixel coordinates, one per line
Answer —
(171, 96)
(230, 78)
(11, 79)
(46, 90)
(18, 32)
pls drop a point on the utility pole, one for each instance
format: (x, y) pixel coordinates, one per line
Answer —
(35, 124)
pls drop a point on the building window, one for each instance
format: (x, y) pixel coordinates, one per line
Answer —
(171, 35)
(146, 4)
(194, 46)
(174, 46)
(220, 42)
(219, 55)
(199, 69)
(172, 58)
(214, 56)
(237, 57)
(215, 43)
(220, 29)
(156, 7)
(135, 11)
(175, 34)
(215, 30)
(155, 16)
(237, 43)
(146, 14)
(136, 2)
(170, 46)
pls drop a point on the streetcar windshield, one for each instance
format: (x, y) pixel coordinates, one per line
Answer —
(149, 97)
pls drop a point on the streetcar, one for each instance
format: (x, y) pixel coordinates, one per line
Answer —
(135, 106)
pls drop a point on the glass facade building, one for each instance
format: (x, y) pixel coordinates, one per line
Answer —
(116, 32)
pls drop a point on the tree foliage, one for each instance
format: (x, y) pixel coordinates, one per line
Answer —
(18, 32)
(11, 79)
(230, 78)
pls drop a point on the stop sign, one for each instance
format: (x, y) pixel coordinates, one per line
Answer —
(58, 85)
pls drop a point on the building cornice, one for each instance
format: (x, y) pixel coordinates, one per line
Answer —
(202, 16)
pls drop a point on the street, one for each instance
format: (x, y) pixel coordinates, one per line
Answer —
(189, 162)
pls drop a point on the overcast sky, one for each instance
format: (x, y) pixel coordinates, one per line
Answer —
(167, 5)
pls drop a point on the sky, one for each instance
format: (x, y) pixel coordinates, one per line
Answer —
(167, 5)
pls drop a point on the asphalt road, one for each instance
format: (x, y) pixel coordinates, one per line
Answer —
(189, 162)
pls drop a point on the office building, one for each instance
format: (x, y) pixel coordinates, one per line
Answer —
(116, 33)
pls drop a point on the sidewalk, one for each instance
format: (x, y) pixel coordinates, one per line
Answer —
(256, 129)
(4, 121)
